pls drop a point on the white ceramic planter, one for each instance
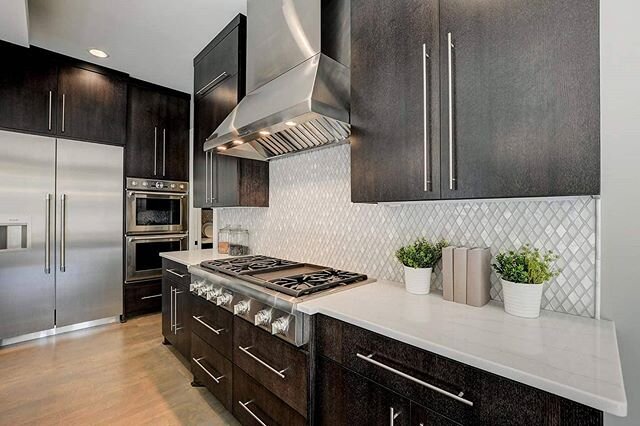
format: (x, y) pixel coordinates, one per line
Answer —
(522, 300)
(417, 280)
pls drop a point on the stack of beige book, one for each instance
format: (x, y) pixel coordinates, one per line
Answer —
(466, 275)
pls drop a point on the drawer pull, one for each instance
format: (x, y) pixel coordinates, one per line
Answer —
(369, 359)
(244, 405)
(171, 271)
(278, 372)
(218, 331)
(215, 379)
(151, 297)
(393, 415)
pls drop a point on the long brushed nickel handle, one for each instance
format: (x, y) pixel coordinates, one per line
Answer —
(260, 361)
(206, 177)
(244, 405)
(425, 124)
(393, 415)
(171, 309)
(63, 229)
(215, 379)
(211, 83)
(50, 101)
(369, 359)
(47, 235)
(151, 297)
(164, 151)
(64, 99)
(155, 150)
(171, 271)
(452, 179)
(218, 331)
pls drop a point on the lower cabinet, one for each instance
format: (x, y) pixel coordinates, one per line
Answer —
(212, 370)
(176, 314)
(142, 298)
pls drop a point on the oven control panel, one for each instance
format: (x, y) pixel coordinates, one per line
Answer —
(137, 184)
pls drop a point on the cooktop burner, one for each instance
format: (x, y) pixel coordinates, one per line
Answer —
(292, 278)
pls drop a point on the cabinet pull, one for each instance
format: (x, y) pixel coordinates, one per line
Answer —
(63, 229)
(211, 83)
(215, 379)
(255, 358)
(211, 197)
(155, 150)
(206, 177)
(244, 405)
(218, 331)
(425, 126)
(150, 297)
(47, 235)
(450, 46)
(171, 308)
(64, 98)
(171, 271)
(459, 397)
(393, 415)
(164, 146)
(176, 292)
(50, 100)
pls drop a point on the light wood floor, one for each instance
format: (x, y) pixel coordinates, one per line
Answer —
(113, 374)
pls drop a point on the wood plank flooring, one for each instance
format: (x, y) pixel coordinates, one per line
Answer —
(115, 374)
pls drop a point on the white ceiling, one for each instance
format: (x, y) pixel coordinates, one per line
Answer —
(14, 22)
(154, 40)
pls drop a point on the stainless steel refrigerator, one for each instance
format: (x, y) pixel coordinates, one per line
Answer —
(61, 233)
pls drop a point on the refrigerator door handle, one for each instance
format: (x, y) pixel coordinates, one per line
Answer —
(47, 235)
(63, 219)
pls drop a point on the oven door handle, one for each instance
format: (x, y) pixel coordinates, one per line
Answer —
(166, 195)
(178, 237)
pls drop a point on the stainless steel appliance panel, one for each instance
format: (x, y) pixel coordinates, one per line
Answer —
(89, 231)
(143, 254)
(27, 290)
(156, 212)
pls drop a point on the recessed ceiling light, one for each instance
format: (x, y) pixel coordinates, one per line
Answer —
(99, 53)
(238, 142)
(222, 148)
(264, 133)
(290, 123)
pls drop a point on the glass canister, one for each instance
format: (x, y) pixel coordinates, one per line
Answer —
(223, 239)
(238, 241)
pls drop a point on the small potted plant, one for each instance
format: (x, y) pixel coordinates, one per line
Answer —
(523, 274)
(418, 260)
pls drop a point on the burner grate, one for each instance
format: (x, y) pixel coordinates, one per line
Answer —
(248, 264)
(299, 285)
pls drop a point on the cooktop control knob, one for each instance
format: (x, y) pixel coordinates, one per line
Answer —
(281, 325)
(213, 293)
(241, 308)
(224, 299)
(263, 317)
(194, 286)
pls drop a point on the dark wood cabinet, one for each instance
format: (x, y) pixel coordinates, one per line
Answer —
(176, 307)
(158, 133)
(525, 91)
(142, 298)
(92, 105)
(346, 398)
(28, 90)
(218, 180)
(395, 140)
(212, 370)
(524, 85)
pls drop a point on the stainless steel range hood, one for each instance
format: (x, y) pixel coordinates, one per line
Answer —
(298, 81)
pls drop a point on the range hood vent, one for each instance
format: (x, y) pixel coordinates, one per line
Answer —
(298, 90)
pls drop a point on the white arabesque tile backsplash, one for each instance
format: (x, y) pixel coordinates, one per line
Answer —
(311, 218)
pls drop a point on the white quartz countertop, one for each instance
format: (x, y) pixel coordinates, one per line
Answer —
(573, 357)
(193, 257)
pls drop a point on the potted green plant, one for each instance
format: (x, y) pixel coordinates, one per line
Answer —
(523, 274)
(418, 260)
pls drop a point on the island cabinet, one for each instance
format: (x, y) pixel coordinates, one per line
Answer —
(456, 99)
(176, 307)
(364, 378)
(219, 84)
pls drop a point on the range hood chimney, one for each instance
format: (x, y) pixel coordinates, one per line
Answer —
(298, 81)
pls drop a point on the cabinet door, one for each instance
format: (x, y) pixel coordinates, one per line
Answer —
(168, 288)
(182, 312)
(345, 398)
(210, 110)
(395, 148)
(28, 84)
(175, 139)
(525, 98)
(93, 106)
(144, 128)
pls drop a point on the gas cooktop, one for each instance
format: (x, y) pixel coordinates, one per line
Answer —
(292, 278)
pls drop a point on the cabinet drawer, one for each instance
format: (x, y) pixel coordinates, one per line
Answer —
(217, 65)
(212, 324)
(176, 272)
(277, 365)
(255, 405)
(412, 372)
(212, 369)
(142, 298)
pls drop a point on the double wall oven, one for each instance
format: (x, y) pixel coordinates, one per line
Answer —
(156, 221)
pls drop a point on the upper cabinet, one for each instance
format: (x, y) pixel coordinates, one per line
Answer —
(42, 92)
(219, 84)
(157, 133)
(485, 99)
(28, 90)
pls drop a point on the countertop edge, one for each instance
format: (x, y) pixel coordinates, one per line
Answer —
(617, 408)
